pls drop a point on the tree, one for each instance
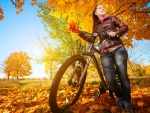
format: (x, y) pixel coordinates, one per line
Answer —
(50, 59)
(57, 29)
(57, 20)
(134, 13)
(54, 55)
(18, 64)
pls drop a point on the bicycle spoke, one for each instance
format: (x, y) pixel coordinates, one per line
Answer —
(67, 91)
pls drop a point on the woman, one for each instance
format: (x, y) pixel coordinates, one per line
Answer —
(113, 53)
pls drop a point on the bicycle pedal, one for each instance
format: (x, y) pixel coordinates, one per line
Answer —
(96, 97)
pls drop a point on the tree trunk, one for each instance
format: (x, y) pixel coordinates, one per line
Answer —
(8, 77)
(131, 68)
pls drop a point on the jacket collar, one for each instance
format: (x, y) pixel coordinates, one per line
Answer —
(106, 17)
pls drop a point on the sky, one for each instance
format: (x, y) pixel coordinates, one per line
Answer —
(17, 33)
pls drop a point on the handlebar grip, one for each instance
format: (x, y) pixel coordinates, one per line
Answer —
(94, 35)
(104, 34)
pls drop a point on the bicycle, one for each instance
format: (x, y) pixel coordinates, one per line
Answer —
(74, 72)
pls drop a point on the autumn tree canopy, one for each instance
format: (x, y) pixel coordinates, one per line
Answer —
(56, 20)
(18, 64)
(59, 13)
(54, 55)
(134, 13)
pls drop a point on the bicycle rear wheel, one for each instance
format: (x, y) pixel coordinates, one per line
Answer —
(65, 90)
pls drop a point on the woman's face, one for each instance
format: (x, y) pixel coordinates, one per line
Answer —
(100, 10)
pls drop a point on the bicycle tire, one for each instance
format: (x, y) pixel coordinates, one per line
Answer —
(57, 80)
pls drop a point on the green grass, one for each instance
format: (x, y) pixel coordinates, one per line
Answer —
(35, 82)
(22, 83)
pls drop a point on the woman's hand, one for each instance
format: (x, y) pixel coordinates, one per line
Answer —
(112, 34)
(73, 27)
(79, 30)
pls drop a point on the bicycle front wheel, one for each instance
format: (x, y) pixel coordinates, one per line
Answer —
(65, 90)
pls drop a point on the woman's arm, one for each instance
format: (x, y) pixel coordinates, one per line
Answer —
(85, 36)
(123, 28)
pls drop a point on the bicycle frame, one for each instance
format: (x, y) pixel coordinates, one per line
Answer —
(74, 70)
(91, 55)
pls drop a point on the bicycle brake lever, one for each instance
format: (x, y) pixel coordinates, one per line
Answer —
(117, 36)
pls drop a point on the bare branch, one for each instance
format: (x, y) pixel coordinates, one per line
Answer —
(14, 3)
(120, 12)
(140, 11)
(132, 3)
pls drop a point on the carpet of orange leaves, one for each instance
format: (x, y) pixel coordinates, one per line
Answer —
(34, 99)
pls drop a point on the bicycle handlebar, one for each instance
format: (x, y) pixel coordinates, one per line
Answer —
(102, 34)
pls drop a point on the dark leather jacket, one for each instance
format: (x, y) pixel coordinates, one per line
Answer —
(111, 23)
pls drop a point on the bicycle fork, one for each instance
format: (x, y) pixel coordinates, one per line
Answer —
(84, 71)
(73, 73)
(83, 74)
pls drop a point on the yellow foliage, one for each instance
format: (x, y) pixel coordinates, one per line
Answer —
(134, 14)
(18, 64)
(80, 11)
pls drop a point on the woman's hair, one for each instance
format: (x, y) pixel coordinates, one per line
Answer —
(95, 19)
